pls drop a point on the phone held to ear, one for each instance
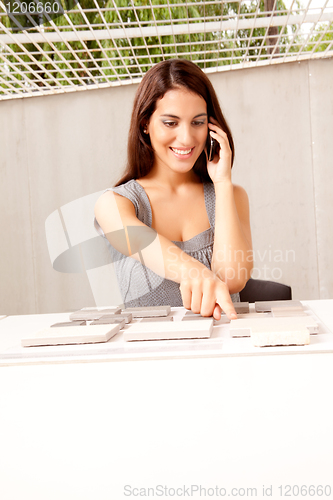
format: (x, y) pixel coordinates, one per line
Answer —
(212, 147)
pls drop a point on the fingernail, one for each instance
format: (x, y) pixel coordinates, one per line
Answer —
(233, 316)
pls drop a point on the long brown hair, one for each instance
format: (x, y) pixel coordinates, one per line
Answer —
(161, 78)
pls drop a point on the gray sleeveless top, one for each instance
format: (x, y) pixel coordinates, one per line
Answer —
(139, 286)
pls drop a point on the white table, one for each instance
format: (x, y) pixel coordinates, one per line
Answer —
(85, 426)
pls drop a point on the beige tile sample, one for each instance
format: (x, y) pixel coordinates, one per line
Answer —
(109, 321)
(254, 315)
(110, 309)
(148, 312)
(266, 306)
(278, 312)
(71, 335)
(126, 316)
(243, 327)
(280, 335)
(169, 330)
(239, 329)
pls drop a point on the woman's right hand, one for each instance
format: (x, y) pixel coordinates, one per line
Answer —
(207, 296)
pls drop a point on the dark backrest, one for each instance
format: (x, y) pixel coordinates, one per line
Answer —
(261, 290)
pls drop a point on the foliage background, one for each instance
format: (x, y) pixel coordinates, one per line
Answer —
(92, 61)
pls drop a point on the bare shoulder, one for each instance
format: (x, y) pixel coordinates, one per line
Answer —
(241, 200)
(240, 195)
(113, 211)
(109, 201)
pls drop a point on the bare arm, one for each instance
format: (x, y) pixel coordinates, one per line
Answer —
(232, 254)
(201, 290)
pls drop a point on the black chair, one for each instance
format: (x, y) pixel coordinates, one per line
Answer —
(261, 290)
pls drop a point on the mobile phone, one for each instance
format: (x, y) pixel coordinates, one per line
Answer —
(212, 147)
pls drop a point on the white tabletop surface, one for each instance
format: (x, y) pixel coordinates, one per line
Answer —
(96, 430)
(13, 328)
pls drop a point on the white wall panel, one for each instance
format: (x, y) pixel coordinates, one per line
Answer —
(321, 105)
(17, 266)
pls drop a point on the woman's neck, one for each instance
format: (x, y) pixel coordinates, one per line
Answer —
(170, 181)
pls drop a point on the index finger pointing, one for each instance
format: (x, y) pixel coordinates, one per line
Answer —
(227, 306)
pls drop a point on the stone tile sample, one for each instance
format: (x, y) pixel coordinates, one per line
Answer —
(93, 314)
(69, 323)
(281, 335)
(278, 312)
(70, 335)
(148, 312)
(157, 319)
(243, 327)
(264, 306)
(109, 321)
(169, 330)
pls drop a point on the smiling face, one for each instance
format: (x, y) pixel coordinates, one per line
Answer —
(178, 130)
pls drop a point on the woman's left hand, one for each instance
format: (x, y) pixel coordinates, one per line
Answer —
(219, 169)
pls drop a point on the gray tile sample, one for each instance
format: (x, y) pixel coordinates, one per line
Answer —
(91, 315)
(241, 307)
(148, 312)
(195, 317)
(109, 321)
(126, 316)
(69, 323)
(157, 319)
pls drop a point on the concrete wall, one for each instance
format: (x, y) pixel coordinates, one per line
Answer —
(56, 149)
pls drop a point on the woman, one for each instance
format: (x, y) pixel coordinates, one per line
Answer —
(174, 208)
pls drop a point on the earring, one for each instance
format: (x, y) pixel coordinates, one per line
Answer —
(145, 130)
